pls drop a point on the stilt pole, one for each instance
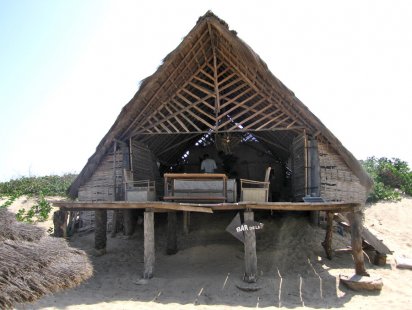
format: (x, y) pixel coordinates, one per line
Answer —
(171, 233)
(149, 245)
(327, 244)
(250, 251)
(355, 219)
(100, 237)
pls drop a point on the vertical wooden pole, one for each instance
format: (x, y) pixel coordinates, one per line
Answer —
(129, 222)
(115, 212)
(131, 154)
(250, 251)
(305, 161)
(60, 224)
(114, 223)
(314, 179)
(186, 222)
(171, 233)
(100, 238)
(355, 219)
(327, 244)
(149, 245)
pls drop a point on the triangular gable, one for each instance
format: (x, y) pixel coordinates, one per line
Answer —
(214, 82)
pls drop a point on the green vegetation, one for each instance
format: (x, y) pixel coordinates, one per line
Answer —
(392, 178)
(37, 213)
(38, 187)
(52, 185)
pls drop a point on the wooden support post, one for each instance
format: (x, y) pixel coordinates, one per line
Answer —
(114, 223)
(355, 219)
(250, 251)
(186, 222)
(171, 233)
(128, 222)
(60, 224)
(149, 245)
(100, 231)
(327, 244)
(314, 176)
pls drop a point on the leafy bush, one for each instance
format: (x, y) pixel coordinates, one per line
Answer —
(35, 187)
(52, 185)
(392, 177)
(38, 212)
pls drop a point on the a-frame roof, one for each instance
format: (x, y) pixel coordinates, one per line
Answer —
(213, 82)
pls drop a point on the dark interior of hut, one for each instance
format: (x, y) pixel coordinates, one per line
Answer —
(239, 155)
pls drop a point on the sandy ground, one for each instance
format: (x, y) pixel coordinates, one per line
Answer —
(293, 269)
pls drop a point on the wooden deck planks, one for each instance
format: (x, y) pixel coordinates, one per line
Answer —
(208, 207)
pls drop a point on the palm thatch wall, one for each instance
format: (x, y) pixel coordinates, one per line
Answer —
(33, 264)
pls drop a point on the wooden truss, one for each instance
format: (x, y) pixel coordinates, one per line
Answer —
(212, 89)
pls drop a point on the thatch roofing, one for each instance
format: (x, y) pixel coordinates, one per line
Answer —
(33, 264)
(213, 82)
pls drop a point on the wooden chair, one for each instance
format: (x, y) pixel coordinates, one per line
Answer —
(257, 191)
(142, 190)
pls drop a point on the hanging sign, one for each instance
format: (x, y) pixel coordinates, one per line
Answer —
(236, 228)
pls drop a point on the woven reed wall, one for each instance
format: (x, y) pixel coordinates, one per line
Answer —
(145, 167)
(100, 187)
(338, 182)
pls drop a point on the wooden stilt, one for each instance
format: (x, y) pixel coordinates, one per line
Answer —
(128, 222)
(171, 233)
(250, 251)
(327, 244)
(114, 223)
(186, 220)
(149, 245)
(314, 218)
(60, 224)
(100, 231)
(355, 219)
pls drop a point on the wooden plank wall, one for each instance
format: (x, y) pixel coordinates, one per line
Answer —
(338, 183)
(144, 166)
(298, 166)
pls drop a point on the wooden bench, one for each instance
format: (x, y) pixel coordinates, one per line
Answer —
(208, 187)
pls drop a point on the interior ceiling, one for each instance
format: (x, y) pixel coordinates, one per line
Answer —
(212, 89)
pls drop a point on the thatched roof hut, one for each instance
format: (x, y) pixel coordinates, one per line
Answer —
(212, 89)
(214, 95)
(33, 264)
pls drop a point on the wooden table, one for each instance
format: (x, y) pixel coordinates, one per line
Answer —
(172, 194)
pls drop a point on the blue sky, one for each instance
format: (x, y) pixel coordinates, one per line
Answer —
(68, 67)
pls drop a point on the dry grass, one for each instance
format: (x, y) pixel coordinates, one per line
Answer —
(33, 264)
(10, 229)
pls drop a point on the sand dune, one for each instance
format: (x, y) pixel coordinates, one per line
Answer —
(294, 271)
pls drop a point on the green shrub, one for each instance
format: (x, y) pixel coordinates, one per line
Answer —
(37, 213)
(392, 177)
(52, 185)
(35, 187)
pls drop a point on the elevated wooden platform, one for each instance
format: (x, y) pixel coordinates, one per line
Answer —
(149, 207)
(208, 207)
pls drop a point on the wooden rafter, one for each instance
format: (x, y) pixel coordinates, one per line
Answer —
(216, 93)
(172, 74)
